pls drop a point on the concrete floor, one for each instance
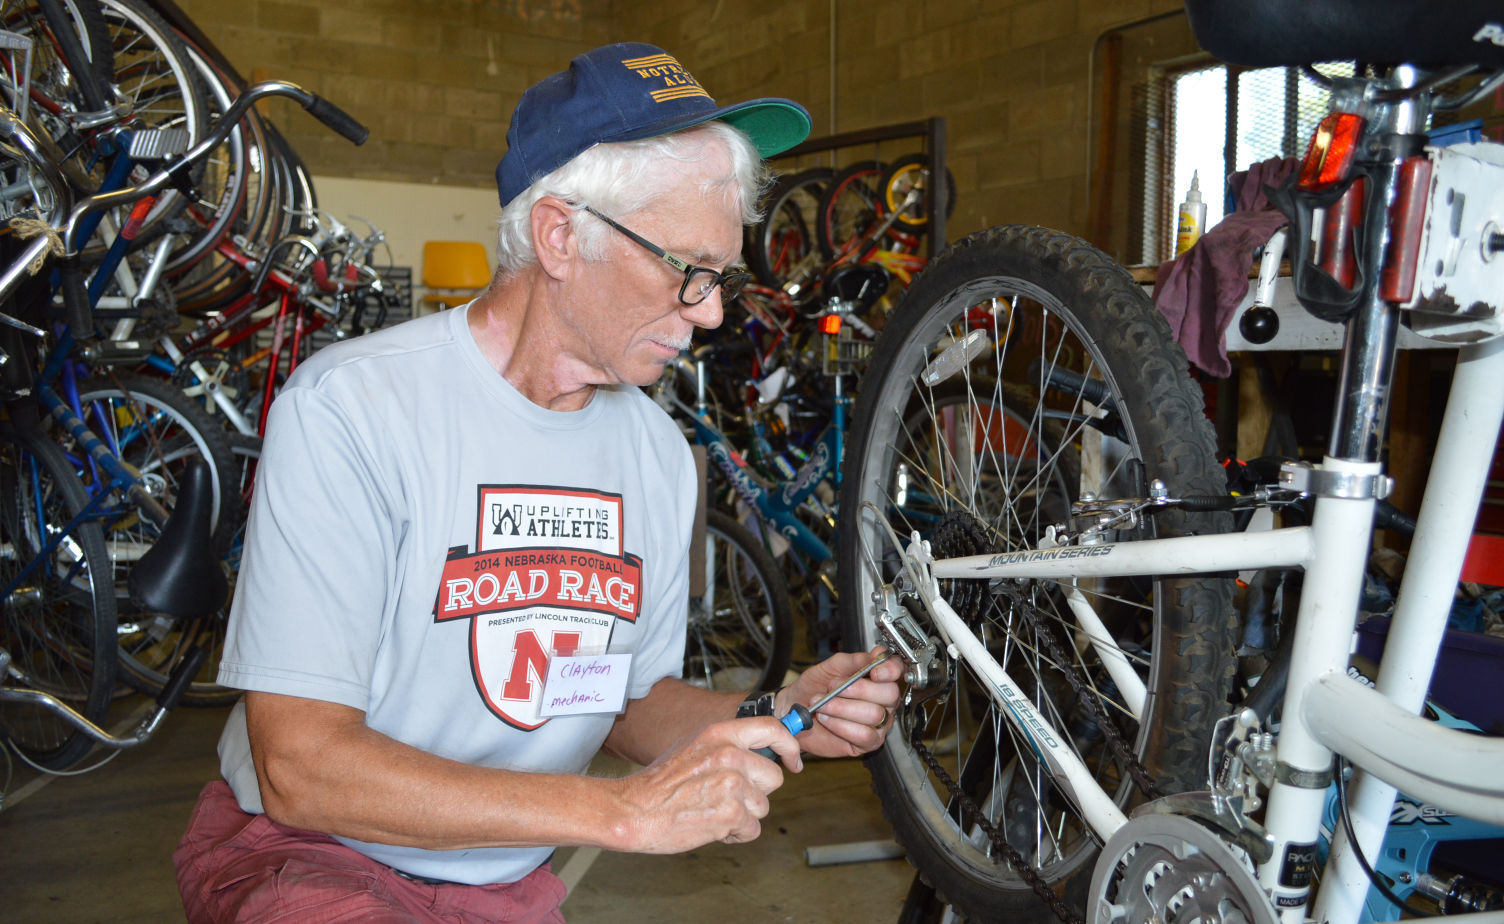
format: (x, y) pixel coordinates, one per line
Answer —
(98, 847)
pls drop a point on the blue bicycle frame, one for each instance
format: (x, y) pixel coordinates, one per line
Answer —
(777, 504)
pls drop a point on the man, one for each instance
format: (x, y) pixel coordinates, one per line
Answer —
(466, 569)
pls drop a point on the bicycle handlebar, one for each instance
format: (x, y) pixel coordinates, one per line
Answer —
(323, 110)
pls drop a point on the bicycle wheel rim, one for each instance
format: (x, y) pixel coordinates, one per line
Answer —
(850, 207)
(152, 71)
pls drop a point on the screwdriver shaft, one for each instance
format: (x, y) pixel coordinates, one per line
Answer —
(848, 682)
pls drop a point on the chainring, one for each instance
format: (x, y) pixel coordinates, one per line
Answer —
(1172, 870)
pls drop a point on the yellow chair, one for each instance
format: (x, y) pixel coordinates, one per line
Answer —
(454, 272)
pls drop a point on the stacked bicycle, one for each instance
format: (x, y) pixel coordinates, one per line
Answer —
(119, 497)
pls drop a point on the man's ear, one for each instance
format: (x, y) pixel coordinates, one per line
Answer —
(553, 236)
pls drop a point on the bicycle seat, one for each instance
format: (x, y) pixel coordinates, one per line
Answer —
(1270, 33)
(862, 283)
(179, 575)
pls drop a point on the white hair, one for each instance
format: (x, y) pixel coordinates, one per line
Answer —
(625, 177)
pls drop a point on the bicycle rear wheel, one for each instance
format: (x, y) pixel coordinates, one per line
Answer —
(58, 625)
(741, 627)
(1065, 381)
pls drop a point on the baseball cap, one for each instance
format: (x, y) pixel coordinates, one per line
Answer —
(624, 92)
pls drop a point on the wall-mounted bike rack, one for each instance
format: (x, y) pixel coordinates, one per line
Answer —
(932, 130)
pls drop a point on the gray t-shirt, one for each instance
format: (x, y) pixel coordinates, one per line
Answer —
(422, 537)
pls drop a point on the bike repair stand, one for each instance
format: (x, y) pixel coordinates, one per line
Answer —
(920, 905)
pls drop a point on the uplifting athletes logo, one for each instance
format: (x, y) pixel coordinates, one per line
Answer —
(548, 576)
(677, 83)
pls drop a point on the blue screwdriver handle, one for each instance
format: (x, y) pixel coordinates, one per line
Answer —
(796, 721)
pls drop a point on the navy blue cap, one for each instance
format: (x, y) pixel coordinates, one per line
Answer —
(624, 92)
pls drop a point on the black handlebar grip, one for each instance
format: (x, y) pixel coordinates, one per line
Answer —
(76, 311)
(337, 119)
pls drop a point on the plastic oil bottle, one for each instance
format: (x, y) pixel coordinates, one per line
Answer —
(1190, 217)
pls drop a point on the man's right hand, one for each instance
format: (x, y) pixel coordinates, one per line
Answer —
(714, 787)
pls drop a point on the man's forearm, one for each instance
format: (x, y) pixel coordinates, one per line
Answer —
(320, 768)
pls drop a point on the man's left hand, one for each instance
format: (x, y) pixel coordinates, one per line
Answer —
(858, 720)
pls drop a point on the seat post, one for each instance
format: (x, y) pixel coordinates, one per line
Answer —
(1372, 335)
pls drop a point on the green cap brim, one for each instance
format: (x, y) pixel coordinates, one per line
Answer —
(774, 125)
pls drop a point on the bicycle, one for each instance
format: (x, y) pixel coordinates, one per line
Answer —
(1079, 731)
(314, 280)
(62, 623)
(786, 492)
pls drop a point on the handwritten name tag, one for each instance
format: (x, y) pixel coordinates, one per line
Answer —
(585, 684)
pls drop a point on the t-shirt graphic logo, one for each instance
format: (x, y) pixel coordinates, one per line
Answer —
(506, 519)
(548, 576)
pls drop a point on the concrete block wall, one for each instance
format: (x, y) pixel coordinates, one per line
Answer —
(1011, 77)
(436, 79)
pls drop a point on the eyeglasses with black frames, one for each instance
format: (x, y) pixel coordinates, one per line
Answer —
(699, 281)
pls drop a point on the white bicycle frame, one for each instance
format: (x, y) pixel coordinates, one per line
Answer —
(1378, 730)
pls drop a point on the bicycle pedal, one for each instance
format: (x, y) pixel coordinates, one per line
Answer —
(158, 143)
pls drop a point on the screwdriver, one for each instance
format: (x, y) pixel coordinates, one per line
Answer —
(801, 717)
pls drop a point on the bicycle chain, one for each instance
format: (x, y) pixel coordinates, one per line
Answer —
(1015, 859)
(1136, 769)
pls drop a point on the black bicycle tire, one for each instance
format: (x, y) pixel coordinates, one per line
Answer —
(1193, 638)
(859, 179)
(91, 695)
(211, 438)
(772, 256)
(773, 649)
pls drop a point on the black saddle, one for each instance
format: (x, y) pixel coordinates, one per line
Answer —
(862, 283)
(1271, 33)
(179, 575)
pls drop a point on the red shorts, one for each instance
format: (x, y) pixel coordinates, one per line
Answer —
(233, 866)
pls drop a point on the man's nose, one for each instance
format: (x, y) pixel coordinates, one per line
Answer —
(708, 313)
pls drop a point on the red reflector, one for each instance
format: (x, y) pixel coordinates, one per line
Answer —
(1331, 151)
(830, 324)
